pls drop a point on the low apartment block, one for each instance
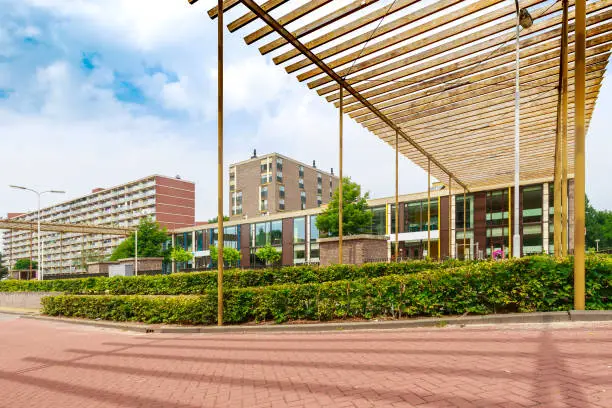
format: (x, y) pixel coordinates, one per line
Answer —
(169, 201)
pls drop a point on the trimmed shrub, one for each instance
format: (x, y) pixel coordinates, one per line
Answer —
(201, 282)
(525, 285)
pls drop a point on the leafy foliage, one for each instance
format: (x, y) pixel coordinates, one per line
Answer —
(3, 269)
(23, 264)
(231, 256)
(598, 226)
(151, 237)
(268, 254)
(525, 285)
(356, 217)
(214, 220)
(178, 254)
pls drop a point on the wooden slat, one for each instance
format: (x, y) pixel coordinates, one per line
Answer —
(250, 17)
(318, 24)
(529, 65)
(481, 62)
(347, 28)
(286, 19)
(214, 12)
(387, 28)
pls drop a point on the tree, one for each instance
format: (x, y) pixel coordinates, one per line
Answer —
(151, 237)
(214, 220)
(268, 254)
(88, 255)
(23, 264)
(3, 269)
(231, 256)
(598, 226)
(356, 217)
(178, 254)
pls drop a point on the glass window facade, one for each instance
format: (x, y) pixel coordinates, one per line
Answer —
(496, 220)
(299, 230)
(378, 220)
(532, 220)
(415, 216)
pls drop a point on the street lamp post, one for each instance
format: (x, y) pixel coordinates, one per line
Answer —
(596, 245)
(39, 268)
(523, 19)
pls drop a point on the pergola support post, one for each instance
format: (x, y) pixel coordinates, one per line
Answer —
(429, 208)
(340, 192)
(396, 196)
(450, 229)
(220, 164)
(464, 220)
(580, 162)
(564, 119)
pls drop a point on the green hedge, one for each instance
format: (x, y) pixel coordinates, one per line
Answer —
(526, 285)
(201, 282)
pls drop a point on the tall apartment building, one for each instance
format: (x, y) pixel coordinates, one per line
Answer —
(169, 201)
(274, 183)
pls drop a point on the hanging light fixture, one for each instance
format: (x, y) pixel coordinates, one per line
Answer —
(525, 19)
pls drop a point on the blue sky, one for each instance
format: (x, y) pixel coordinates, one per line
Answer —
(93, 94)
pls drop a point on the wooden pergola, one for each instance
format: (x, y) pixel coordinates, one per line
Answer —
(437, 80)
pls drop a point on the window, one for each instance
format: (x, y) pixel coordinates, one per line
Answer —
(281, 204)
(378, 220)
(266, 178)
(299, 254)
(281, 192)
(264, 192)
(263, 164)
(299, 230)
(532, 220)
(319, 200)
(279, 164)
(279, 176)
(301, 171)
(497, 203)
(469, 208)
(263, 205)
(303, 199)
(199, 240)
(276, 233)
(237, 203)
(301, 183)
(314, 231)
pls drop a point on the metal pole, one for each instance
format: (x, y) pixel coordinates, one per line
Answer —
(516, 239)
(557, 180)
(39, 266)
(136, 252)
(31, 245)
(340, 192)
(450, 229)
(396, 196)
(429, 208)
(61, 268)
(220, 164)
(580, 163)
(564, 191)
(11, 255)
(510, 236)
(464, 220)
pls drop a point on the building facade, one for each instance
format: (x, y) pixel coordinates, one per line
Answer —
(169, 201)
(488, 227)
(273, 183)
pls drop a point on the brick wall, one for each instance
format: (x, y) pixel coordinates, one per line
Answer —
(356, 249)
(175, 202)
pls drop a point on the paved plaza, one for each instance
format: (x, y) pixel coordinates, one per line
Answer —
(50, 364)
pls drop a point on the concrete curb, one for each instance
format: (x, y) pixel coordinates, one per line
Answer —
(515, 318)
(547, 317)
(590, 315)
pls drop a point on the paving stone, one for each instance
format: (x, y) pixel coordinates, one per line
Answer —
(50, 364)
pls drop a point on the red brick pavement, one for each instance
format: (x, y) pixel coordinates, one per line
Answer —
(45, 364)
